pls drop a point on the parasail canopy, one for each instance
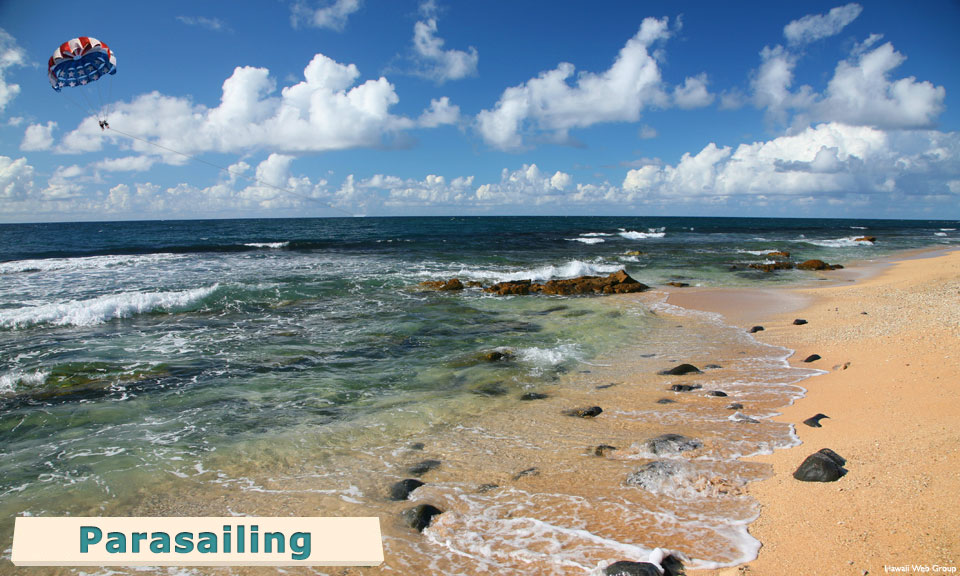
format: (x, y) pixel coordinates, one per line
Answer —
(80, 61)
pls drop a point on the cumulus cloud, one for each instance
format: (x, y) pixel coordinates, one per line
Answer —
(331, 15)
(16, 178)
(813, 27)
(693, 93)
(528, 186)
(439, 113)
(549, 103)
(38, 137)
(11, 54)
(822, 162)
(435, 62)
(328, 110)
(861, 92)
(772, 82)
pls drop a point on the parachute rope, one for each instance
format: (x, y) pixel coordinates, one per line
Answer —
(229, 171)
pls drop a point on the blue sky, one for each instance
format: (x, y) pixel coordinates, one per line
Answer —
(335, 107)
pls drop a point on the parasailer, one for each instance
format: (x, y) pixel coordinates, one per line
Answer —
(80, 62)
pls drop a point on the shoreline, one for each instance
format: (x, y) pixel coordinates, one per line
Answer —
(888, 334)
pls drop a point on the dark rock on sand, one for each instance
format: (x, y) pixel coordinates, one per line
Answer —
(528, 472)
(817, 265)
(814, 421)
(823, 466)
(527, 396)
(419, 517)
(452, 284)
(812, 358)
(672, 444)
(652, 474)
(421, 468)
(799, 322)
(666, 401)
(590, 412)
(755, 329)
(718, 393)
(417, 446)
(602, 449)
(678, 284)
(616, 283)
(681, 370)
(735, 406)
(627, 568)
(712, 367)
(685, 387)
(671, 566)
(605, 386)
(402, 489)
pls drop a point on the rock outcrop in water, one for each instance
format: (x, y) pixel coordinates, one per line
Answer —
(402, 489)
(453, 284)
(419, 517)
(681, 370)
(672, 444)
(817, 265)
(616, 283)
(771, 266)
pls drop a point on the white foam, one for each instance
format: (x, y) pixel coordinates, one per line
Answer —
(546, 357)
(101, 309)
(848, 242)
(587, 240)
(940, 234)
(571, 269)
(650, 233)
(948, 229)
(82, 263)
(10, 380)
(594, 234)
(758, 252)
(273, 245)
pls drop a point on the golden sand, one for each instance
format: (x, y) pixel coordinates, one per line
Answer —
(891, 346)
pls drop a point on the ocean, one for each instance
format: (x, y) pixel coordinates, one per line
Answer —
(297, 367)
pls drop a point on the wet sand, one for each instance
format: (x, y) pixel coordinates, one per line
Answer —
(890, 342)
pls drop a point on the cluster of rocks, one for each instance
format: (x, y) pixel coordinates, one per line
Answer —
(814, 265)
(616, 283)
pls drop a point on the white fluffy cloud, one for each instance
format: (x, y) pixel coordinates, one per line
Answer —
(526, 186)
(824, 161)
(11, 54)
(435, 62)
(549, 103)
(331, 15)
(328, 110)
(813, 27)
(693, 93)
(38, 137)
(861, 92)
(16, 178)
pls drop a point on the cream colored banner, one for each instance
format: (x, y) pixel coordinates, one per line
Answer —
(229, 541)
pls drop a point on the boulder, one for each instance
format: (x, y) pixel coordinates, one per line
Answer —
(527, 396)
(799, 322)
(669, 564)
(517, 288)
(718, 393)
(653, 474)
(681, 370)
(778, 254)
(590, 412)
(498, 355)
(735, 406)
(822, 466)
(419, 517)
(402, 489)
(672, 444)
(452, 284)
(678, 284)
(812, 358)
(817, 265)
(870, 239)
(666, 401)
(755, 329)
(685, 387)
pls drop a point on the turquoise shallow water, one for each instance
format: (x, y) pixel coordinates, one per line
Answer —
(269, 360)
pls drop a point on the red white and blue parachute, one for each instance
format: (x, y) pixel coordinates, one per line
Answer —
(80, 61)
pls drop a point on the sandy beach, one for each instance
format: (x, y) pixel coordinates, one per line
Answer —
(888, 337)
